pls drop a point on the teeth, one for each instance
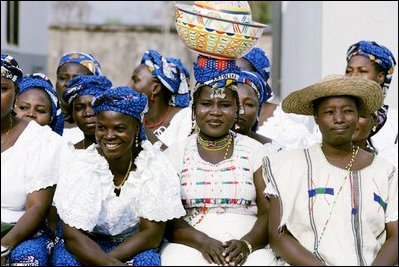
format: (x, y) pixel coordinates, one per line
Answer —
(111, 146)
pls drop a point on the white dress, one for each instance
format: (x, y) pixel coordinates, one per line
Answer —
(228, 191)
(85, 197)
(31, 164)
(309, 186)
(179, 128)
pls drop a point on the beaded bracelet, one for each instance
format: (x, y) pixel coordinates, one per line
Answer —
(248, 245)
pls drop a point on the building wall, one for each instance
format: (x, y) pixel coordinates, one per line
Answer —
(316, 36)
(31, 52)
(119, 48)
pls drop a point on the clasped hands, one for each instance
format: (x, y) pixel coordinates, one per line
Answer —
(229, 253)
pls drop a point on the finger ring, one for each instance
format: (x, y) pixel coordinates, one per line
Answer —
(242, 255)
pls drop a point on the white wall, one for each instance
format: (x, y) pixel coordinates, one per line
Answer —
(308, 56)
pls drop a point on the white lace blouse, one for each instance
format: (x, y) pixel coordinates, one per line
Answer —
(85, 197)
(31, 164)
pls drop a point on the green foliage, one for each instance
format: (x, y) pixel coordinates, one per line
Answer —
(261, 11)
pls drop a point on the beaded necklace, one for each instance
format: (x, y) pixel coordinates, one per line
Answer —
(355, 150)
(215, 145)
(160, 122)
(118, 187)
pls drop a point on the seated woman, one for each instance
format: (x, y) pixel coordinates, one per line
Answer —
(31, 156)
(114, 202)
(375, 62)
(80, 92)
(334, 203)
(221, 180)
(252, 92)
(37, 100)
(165, 83)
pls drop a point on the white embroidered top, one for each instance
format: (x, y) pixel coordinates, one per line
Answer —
(308, 185)
(85, 197)
(31, 164)
(179, 128)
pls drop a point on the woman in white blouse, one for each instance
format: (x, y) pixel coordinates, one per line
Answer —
(116, 195)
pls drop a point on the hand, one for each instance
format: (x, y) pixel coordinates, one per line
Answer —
(212, 250)
(236, 252)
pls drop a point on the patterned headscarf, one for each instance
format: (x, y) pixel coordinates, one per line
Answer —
(216, 73)
(171, 75)
(85, 85)
(259, 60)
(86, 60)
(41, 81)
(125, 100)
(10, 68)
(385, 59)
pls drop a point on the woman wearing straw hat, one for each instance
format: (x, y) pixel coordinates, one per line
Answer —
(334, 203)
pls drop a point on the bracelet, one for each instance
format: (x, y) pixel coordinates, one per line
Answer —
(248, 245)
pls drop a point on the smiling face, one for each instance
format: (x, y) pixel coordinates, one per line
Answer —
(83, 114)
(215, 116)
(34, 104)
(115, 133)
(337, 118)
(249, 103)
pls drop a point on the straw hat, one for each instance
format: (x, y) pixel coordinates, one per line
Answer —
(368, 92)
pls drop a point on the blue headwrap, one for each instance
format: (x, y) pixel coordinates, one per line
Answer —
(383, 57)
(10, 68)
(41, 81)
(259, 60)
(171, 75)
(216, 73)
(378, 54)
(85, 85)
(86, 60)
(125, 100)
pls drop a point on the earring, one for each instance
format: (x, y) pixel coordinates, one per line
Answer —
(236, 126)
(374, 128)
(152, 98)
(136, 139)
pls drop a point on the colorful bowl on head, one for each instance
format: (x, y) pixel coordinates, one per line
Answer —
(223, 30)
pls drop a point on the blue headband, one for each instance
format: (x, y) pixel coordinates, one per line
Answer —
(10, 68)
(125, 100)
(255, 81)
(378, 54)
(85, 85)
(171, 75)
(86, 60)
(41, 81)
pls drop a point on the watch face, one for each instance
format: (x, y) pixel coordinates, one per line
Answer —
(4, 251)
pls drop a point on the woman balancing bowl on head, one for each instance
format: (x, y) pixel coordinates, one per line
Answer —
(221, 180)
(333, 203)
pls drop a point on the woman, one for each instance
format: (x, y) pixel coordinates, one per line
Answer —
(252, 94)
(80, 92)
(37, 100)
(30, 162)
(70, 65)
(221, 180)
(165, 83)
(334, 203)
(375, 62)
(114, 202)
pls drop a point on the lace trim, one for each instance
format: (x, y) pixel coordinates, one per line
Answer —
(270, 190)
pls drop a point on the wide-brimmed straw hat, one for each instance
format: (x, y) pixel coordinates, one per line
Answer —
(368, 92)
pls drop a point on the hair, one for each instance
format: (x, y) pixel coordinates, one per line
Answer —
(316, 102)
(197, 92)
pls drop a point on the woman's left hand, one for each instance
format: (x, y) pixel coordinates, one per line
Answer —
(236, 252)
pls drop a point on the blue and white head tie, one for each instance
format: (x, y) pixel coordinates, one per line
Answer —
(86, 60)
(41, 81)
(171, 75)
(256, 82)
(85, 85)
(216, 73)
(259, 60)
(125, 100)
(378, 54)
(10, 68)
